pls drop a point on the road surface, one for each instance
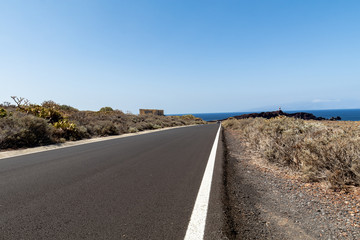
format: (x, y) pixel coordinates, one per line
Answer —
(138, 187)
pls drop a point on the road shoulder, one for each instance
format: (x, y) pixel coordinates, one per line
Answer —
(269, 203)
(216, 221)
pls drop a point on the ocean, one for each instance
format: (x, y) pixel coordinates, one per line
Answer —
(345, 114)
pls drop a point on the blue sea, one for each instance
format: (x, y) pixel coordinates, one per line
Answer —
(345, 114)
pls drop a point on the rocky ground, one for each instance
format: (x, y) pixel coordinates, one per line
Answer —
(267, 202)
(301, 115)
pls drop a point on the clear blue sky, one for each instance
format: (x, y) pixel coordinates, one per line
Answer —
(183, 56)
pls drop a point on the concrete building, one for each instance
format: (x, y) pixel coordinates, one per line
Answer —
(151, 111)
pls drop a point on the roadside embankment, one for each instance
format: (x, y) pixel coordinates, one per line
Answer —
(275, 192)
(319, 151)
(31, 125)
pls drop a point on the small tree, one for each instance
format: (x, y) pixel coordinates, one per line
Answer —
(20, 102)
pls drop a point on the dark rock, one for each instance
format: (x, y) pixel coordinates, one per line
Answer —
(335, 118)
(300, 115)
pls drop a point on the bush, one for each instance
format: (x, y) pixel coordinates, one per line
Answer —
(62, 108)
(106, 109)
(50, 104)
(57, 123)
(319, 150)
(105, 128)
(20, 130)
(133, 130)
(69, 131)
(50, 114)
(190, 117)
(3, 113)
(67, 109)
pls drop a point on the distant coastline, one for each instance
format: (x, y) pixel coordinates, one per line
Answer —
(345, 114)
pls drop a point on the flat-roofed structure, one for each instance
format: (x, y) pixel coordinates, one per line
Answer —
(151, 111)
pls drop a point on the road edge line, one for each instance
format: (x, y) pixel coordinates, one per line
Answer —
(196, 227)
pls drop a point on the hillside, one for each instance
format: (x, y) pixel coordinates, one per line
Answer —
(29, 125)
(289, 178)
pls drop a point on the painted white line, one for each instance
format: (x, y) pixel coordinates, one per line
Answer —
(196, 227)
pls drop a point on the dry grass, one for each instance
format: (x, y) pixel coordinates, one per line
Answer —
(34, 125)
(21, 130)
(320, 151)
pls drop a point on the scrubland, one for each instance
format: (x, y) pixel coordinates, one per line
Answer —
(317, 150)
(28, 125)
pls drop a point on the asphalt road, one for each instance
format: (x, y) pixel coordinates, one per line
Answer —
(139, 187)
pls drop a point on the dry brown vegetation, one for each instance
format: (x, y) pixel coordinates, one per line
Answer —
(28, 125)
(318, 150)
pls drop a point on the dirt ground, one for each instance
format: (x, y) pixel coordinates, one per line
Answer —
(268, 202)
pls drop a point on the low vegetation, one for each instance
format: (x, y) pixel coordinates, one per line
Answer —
(319, 151)
(28, 125)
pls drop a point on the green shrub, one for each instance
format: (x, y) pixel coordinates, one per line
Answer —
(65, 125)
(133, 130)
(50, 114)
(106, 109)
(156, 126)
(69, 131)
(3, 113)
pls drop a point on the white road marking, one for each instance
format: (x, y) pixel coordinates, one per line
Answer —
(196, 227)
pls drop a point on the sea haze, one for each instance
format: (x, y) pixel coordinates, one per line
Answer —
(345, 114)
